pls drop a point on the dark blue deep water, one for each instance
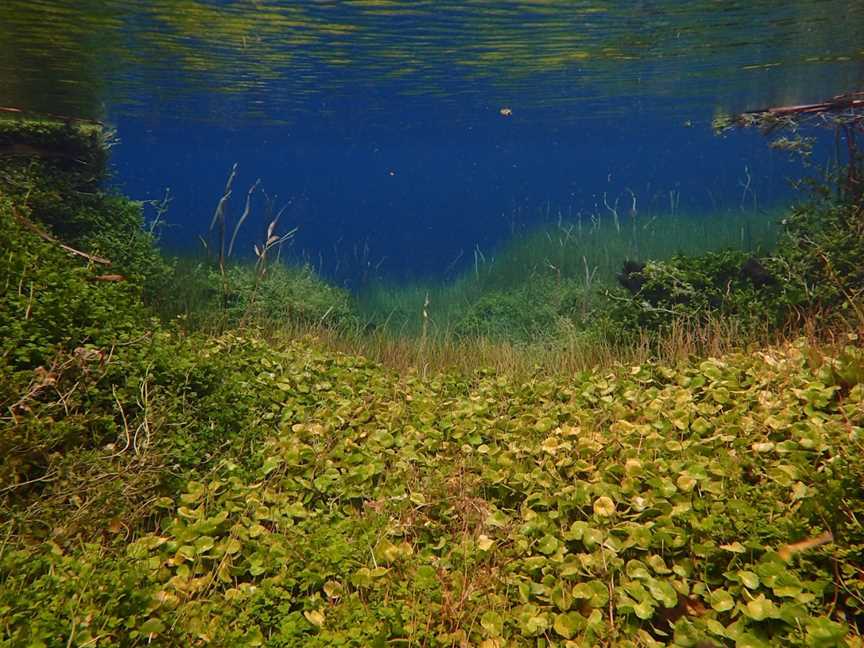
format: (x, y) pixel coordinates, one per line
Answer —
(402, 135)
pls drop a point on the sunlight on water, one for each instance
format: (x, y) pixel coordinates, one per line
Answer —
(266, 60)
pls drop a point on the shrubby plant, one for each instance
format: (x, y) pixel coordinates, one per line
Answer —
(693, 290)
(820, 254)
(286, 294)
(814, 269)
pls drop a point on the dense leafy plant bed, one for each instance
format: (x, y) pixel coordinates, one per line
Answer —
(717, 503)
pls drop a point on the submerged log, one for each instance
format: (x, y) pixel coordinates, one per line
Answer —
(837, 103)
(843, 109)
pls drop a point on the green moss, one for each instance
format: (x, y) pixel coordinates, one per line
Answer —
(52, 168)
(287, 294)
(84, 143)
(52, 300)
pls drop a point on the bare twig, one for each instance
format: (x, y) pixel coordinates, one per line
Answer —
(219, 214)
(30, 225)
(613, 210)
(125, 425)
(44, 478)
(244, 216)
(161, 208)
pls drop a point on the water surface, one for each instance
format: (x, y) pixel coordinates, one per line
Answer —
(402, 134)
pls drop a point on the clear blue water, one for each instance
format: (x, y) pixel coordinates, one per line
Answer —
(404, 134)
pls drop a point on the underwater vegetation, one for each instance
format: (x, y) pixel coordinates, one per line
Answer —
(645, 274)
(229, 477)
(558, 279)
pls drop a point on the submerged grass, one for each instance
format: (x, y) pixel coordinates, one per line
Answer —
(569, 353)
(510, 314)
(572, 259)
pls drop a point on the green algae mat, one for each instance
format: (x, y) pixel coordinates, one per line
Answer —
(715, 504)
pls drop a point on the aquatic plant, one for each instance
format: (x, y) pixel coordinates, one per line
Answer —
(710, 503)
(555, 275)
(693, 289)
(526, 313)
(165, 486)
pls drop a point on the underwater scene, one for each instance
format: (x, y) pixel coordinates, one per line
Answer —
(491, 323)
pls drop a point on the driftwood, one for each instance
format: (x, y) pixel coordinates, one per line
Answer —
(842, 109)
(30, 225)
(849, 101)
(844, 114)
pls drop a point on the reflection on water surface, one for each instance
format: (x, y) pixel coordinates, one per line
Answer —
(269, 60)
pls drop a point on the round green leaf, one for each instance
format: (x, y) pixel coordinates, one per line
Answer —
(721, 600)
(644, 610)
(749, 579)
(151, 626)
(492, 623)
(824, 633)
(561, 597)
(636, 569)
(569, 624)
(604, 506)
(761, 608)
(548, 545)
(663, 592)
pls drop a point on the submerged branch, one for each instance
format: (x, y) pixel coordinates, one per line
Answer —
(30, 225)
(245, 215)
(770, 118)
(219, 214)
